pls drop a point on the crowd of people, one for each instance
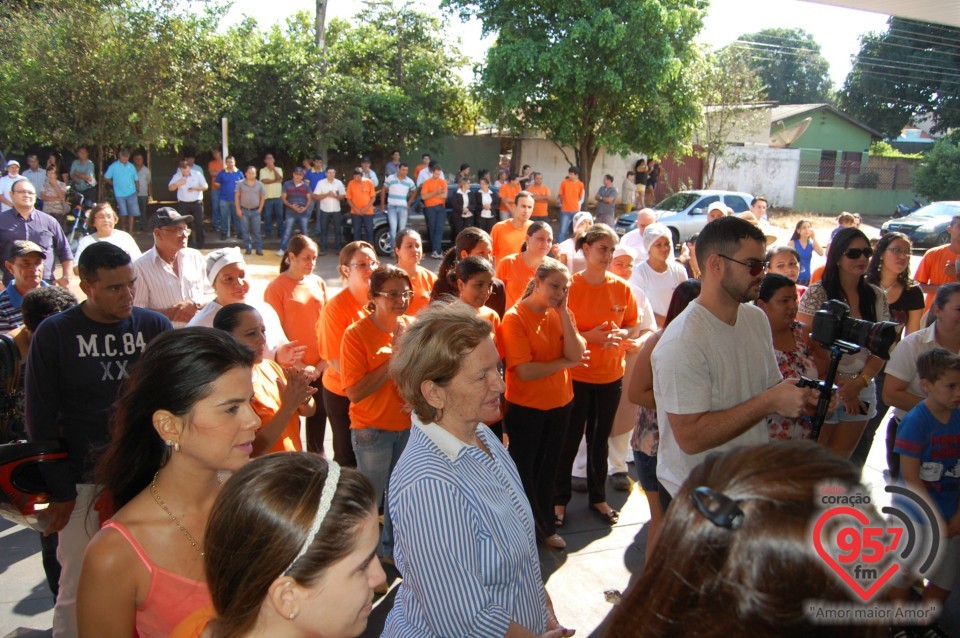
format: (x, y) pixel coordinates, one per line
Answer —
(465, 405)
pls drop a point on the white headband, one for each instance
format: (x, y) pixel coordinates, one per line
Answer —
(326, 498)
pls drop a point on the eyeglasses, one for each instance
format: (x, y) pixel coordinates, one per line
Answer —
(181, 232)
(856, 253)
(366, 265)
(396, 294)
(756, 266)
(898, 251)
(24, 192)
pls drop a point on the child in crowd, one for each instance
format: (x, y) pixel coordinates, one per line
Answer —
(927, 442)
(844, 220)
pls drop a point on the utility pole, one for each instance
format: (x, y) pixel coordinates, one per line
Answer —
(321, 41)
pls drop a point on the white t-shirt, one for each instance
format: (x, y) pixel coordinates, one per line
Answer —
(647, 320)
(325, 186)
(576, 262)
(703, 364)
(6, 184)
(659, 286)
(903, 361)
(275, 335)
(118, 238)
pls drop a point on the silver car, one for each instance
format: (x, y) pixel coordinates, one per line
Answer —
(685, 213)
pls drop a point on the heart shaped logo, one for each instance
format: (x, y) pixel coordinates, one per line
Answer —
(863, 574)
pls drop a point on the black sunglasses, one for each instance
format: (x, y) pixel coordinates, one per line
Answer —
(855, 253)
(756, 266)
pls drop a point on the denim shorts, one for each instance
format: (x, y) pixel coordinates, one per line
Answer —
(646, 470)
(868, 395)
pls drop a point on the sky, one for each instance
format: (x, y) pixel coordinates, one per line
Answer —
(837, 30)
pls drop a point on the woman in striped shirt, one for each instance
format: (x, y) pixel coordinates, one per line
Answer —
(463, 529)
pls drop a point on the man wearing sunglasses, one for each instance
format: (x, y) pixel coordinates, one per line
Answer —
(939, 265)
(715, 374)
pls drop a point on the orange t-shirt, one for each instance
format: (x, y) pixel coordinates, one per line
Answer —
(193, 625)
(539, 208)
(434, 184)
(339, 314)
(422, 286)
(817, 274)
(266, 403)
(508, 195)
(214, 167)
(930, 270)
(361, 193)
(364, 349)
(571, 194)
(494, 320)
(507, 238)
(538, 337)
(515, 274)
(612, 300)
(298, 304)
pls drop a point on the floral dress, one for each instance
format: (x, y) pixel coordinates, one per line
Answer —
(792, 365)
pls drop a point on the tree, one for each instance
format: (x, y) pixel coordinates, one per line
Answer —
(789, 64)
(938, 175)
(910, 70)
(611, 74)
(729, 90)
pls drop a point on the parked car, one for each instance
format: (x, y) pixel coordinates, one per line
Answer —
(415, 220)
(926, 227)
(685, 213)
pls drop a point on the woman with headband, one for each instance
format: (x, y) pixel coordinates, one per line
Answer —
(290, 551)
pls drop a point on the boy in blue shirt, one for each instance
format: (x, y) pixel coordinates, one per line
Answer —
(928, 442)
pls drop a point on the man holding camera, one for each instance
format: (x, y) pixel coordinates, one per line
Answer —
(715, 372)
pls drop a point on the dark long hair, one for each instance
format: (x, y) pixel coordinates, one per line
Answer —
(876, 262)
(260, 521)
(173, 374)
(831, 274)
(294, 247)
(713, 582)
(466, 240)
(683, 294)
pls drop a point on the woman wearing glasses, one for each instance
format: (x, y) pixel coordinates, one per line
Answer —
(379, 426)
(844, 279)
(357, 263)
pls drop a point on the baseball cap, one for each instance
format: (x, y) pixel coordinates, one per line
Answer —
(166, 216)
(219, 259)
(13, 163)
(23, 247)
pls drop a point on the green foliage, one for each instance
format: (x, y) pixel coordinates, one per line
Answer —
(610, 74)
(910, 70)
(728, 86)
(938, 174)
(883, 149)
(790, 65)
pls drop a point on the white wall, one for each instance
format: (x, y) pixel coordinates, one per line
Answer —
(545, 157)
(771, 172)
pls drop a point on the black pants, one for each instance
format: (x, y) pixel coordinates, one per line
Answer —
(664, 496)
(458, 222)
(862, 451)
(893, 459)
(486, 223)
(51, 566)
(338, 412)
(317, 424)
(196, 228)
(594, 407)
(536, 437)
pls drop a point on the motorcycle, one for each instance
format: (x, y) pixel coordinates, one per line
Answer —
(903, 209)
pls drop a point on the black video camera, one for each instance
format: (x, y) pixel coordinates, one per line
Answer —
(833, 326)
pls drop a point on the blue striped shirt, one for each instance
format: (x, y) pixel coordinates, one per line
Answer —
(464, 540)
(398, 191)
(10, 302)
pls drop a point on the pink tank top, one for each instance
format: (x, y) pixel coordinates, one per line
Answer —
(171, 597)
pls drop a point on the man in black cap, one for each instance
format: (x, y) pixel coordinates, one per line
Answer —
(368, 173)
(25, 261)
(171, 278)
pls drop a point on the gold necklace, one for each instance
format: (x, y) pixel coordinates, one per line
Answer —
(163, 506)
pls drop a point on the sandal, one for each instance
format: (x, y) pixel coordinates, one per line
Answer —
(612, 517)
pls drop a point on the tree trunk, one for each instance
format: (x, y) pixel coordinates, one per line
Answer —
(320, 145)
(586, 152)
(319, 25)
(100, 172)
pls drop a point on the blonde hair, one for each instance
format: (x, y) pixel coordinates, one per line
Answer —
(433, 349)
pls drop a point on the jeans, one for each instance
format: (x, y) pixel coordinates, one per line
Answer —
(294, 218)
(272, 209)
(250, 222)
(128, 206)
(324, 219)
(142, 204)
(397, 219)
(227, 217)
(377, 454)
(436, 216)
(215, 208)
(195, 209)
(362, 227)
(566, 221)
